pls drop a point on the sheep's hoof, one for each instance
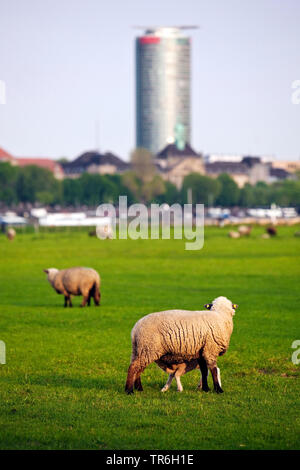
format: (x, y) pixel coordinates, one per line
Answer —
(164, 389)
(129, 391)
(205, 389)
(218, 389)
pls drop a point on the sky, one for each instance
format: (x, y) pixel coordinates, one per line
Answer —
(69, 73)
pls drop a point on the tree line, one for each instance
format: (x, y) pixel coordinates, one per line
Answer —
(32, 184)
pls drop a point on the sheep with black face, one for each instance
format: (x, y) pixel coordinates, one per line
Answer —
(184, 336)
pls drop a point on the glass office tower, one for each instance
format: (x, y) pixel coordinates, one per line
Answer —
(162, 87)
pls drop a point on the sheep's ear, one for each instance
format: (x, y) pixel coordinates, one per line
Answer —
(46, 271)
(208, 306)
(234, 306)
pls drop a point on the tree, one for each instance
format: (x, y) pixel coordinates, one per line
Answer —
(246, 196)
(262, 194)
(153, 188)
(170, 196)
(143, 164)
(72, 191)
(8, 178)
(229, 193)
(33, 181)
(204, 189)
(132, 183)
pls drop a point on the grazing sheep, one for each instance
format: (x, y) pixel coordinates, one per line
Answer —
(105, 232)
(234, 234)
(11, 233)
(176, 370)
(271, 231)
(75, 281)
(185, 336)
(244, 230)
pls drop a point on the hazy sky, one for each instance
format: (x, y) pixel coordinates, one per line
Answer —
(70, 63)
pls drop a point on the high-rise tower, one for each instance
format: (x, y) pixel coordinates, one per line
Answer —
(162, 88)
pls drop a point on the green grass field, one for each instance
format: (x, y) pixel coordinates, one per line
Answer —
(62, 386)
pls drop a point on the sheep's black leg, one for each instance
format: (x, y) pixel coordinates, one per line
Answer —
(133, 377)
(97, 297)
(130, 379)
(89, 300)
(66, 301)
(204, 373)
(138, 384)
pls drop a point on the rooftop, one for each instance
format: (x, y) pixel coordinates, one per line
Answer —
(171, 150)
(165, 31)
(46, 163)
(96, 158)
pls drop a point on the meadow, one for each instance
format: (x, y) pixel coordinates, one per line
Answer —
(62, 386)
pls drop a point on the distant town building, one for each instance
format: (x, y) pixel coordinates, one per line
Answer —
(47, 163)
(290, 166)
(7, 157)
(237, 170)
(162, 87)
(94, 163)
(175, 163)
(247, 170)
(234, 158)
(217, 157)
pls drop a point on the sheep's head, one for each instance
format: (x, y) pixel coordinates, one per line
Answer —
(222, 304)
(51, 273)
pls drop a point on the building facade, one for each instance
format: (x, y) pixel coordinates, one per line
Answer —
(162, 88)
(174, 163)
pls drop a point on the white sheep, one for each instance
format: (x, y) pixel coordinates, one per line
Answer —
(245, 230)
(185, 336)
(105, 232)
(75, 281)
(234, 234)
(11, 233)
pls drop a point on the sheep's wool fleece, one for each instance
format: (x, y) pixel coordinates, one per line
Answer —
(183, 333)
(76, 280)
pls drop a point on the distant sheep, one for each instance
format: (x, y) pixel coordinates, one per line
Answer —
(182, 335)
(234, 234)
(245, 230)
(105, 232)
(75, 281)
(272, 231)
(11, 233)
